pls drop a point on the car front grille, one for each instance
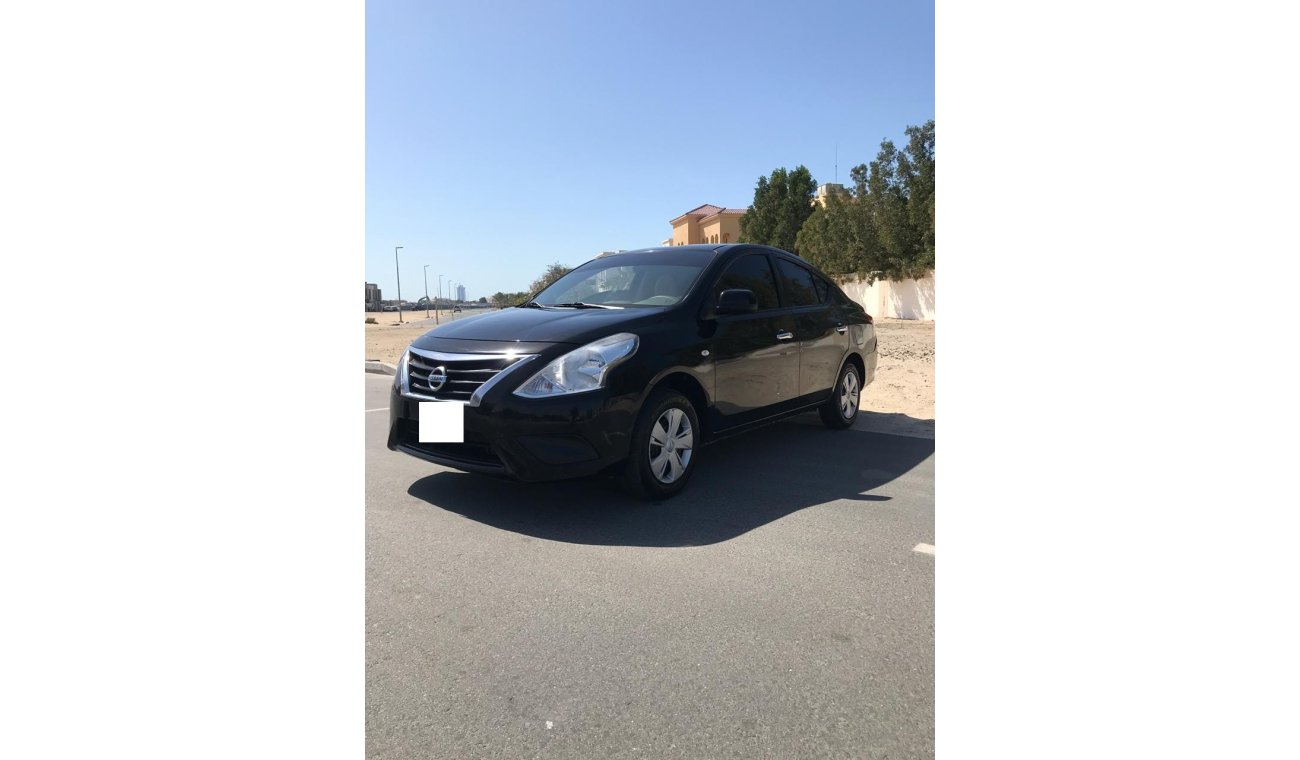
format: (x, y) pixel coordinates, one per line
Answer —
(464, 373)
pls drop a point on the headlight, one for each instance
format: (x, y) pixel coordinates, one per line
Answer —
(582, 370)
(399, 379)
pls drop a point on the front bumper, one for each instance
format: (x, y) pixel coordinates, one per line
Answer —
(526, 439)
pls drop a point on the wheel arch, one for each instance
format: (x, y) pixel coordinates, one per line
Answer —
(690, 387)
(855, 359)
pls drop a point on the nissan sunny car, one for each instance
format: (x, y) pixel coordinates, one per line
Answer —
(634, 361)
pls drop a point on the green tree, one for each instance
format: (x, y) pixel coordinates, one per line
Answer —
(553, 272)
(840, 239)
(502, 300)
(513, 299)
(760, 219)
(916, 164)
(782, 203)
(887, 228)
(826, 238)
(895, 195)
(886, 204)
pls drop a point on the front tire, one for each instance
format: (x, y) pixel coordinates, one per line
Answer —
(664, 440)
(841, 407)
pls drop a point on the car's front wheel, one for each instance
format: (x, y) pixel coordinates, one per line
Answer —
(841, 408)
(664, 440)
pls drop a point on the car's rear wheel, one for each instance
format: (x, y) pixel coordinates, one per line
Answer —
(664, 440)
(841, 407)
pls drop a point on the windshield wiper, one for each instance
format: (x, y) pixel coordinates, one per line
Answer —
(581, 305)
(528, 305)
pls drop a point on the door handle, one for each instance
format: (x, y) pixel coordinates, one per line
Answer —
(784, 335)
(841, 329)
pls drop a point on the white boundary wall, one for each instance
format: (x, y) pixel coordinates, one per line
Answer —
(906, 299)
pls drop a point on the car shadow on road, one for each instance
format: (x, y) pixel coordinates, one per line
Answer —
(894, 423)
(739, 484)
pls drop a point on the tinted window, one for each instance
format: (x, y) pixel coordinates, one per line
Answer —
(750, 272)
(823, 288)
(797, 284)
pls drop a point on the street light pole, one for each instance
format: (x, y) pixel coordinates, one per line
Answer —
(426, 291)
(436, 319)
(399, 283)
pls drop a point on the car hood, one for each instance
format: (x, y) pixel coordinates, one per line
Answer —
(518, 325)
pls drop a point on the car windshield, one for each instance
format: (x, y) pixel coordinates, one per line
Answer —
(661, 278)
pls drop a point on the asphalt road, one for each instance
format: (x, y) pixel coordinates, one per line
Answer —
(775, 609)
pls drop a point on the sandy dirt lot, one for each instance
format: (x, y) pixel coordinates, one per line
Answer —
(387, 340)
(901, 400)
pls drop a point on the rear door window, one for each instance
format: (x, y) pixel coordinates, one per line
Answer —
(797, 284)
(823, 288)
(750, 272)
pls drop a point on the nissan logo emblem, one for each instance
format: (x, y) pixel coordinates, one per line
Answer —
(437, 378)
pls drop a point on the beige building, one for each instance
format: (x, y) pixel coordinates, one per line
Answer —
(706, 224)
(825, 190)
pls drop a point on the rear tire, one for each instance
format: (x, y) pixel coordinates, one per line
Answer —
(841, 408)
(664, 440)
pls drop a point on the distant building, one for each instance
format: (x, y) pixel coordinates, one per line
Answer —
(824, 191)
(373, 299)
(706, 224)
(460, 292)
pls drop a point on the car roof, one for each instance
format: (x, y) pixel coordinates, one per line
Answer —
(701, 247)
(715, 248)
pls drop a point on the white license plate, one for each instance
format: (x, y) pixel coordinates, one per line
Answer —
(442, 422)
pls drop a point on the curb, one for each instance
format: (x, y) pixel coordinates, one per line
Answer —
(380, 368)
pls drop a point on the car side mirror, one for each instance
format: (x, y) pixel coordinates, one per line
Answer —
(737, 301)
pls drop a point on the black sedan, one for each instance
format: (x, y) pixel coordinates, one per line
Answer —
(633, 361)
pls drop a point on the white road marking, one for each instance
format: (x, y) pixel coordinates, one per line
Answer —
(924, 549)
(380, 409)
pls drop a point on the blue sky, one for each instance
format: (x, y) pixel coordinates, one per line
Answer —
(503, 136)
